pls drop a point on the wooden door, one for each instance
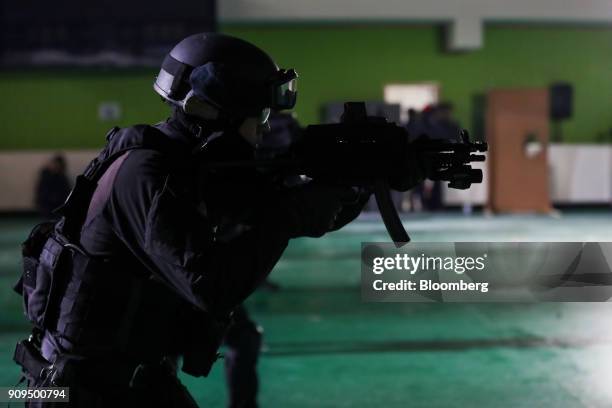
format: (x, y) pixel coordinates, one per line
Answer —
(516, 121)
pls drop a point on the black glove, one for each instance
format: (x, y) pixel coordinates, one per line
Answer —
(352, 209)
(313, 209)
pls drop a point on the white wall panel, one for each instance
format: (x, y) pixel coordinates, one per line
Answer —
(431, 10)
(464, 17)
(579, 174)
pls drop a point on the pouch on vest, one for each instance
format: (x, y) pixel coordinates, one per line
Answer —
(47, 252)
(45, 265)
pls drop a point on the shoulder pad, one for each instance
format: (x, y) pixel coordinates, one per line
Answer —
(111, 133)
(139, 137)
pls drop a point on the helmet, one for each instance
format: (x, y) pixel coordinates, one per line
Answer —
(233, 78)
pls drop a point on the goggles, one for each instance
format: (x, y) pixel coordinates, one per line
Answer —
(283, 88)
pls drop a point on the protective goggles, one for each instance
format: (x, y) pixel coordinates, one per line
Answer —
(283, 88)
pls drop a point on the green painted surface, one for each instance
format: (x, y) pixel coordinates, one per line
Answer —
(59, 109)
(325, 348)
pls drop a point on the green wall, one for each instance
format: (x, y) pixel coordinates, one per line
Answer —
(59, 109)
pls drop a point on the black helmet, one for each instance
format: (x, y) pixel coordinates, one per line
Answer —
(235, 78)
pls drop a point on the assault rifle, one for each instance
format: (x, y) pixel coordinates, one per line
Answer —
(367, 151)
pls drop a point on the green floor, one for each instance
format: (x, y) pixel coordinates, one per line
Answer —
(325, 348)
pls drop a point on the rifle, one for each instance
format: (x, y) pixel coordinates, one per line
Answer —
(367, 151)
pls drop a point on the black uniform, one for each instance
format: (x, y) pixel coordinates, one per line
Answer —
(171, 251)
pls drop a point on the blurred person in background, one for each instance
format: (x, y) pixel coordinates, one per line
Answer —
(437, 122)
(445, 125)
(414, 125)
(52, 187)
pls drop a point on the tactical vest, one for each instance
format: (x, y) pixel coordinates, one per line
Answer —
(110, 304)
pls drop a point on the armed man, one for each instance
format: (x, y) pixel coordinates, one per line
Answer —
(174, 225)
(155, 253)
